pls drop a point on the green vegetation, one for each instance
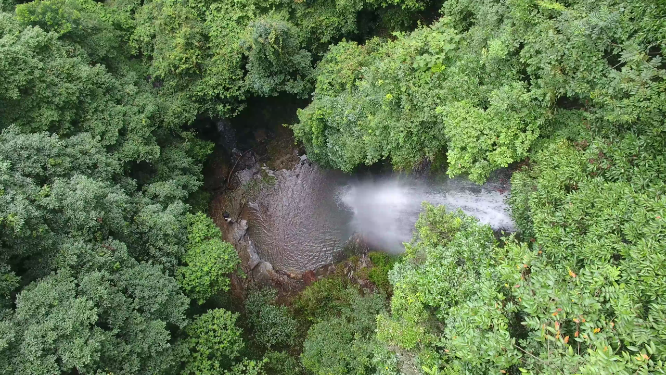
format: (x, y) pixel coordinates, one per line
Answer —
(344, 343)
(214, 341)
(273, 324)
(378, 274)
(574, 90)
(483, 83)
(108, 263)
(208, 260)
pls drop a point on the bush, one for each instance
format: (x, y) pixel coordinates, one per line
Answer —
(273, 325)
(382, 263)
(208, 261)
(345, 344)
(324, 298)
(465, 304)
(214, 341)
(281, 363)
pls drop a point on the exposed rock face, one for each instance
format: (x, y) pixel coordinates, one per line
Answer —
(309, 277)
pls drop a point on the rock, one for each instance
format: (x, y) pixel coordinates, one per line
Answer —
(263, 273)
(260, 135)
(254, 257)
(295, 275)
(309, 277)
(239, 230)
(227, 135)
(364, 262)
(246, 175)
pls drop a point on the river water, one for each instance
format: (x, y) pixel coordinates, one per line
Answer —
(304, 219)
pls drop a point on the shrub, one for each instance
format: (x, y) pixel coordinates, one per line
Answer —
(272, 325)
(382, 263)
(208, 260)
(281, 363)
(324, 298)
(214, 341)
(345, 344)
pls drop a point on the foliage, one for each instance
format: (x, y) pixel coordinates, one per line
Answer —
(272, 324)
(102, 311)
(464, 304)
(8, 283)
(85, 24)
(210, 56)
(94, 249)
(324, 298)
(594, 210)
(98, 162)
(448, 275)
(345, 344)
(247, 367)
(484, 82)
(214, 342)
(281, 363)
(382, 263)
(208, 260)
(275, 60)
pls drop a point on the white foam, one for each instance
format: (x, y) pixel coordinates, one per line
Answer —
(385, 211)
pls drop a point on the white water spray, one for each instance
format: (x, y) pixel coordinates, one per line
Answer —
(385, 211)
(304, 219)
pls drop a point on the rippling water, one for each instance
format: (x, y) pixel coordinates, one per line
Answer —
(297, 225)
(303, 221)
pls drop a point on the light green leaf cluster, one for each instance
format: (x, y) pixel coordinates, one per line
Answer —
(208, 260)
(215, 342)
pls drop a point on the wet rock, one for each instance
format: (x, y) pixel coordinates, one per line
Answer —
(356, 245)
(239, 230)
(254, 257)
(246, 175)
(227, 135)
(309, 277)
(295, 275)
(264, 274)
(260, 135)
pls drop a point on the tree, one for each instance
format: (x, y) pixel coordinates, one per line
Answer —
(272, 324)
(101, 311)
(97, 29)
(481, 85)
(46, 89)
(276, 61)
(208, 260)
(214, 341)
(346, 343)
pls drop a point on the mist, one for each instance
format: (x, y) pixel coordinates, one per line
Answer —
(385, 210)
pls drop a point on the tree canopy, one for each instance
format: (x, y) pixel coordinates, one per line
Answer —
(110, 264)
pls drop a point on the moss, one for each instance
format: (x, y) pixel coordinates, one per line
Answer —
(382, 264)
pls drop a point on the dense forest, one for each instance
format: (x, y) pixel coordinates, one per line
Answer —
(110, 264)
